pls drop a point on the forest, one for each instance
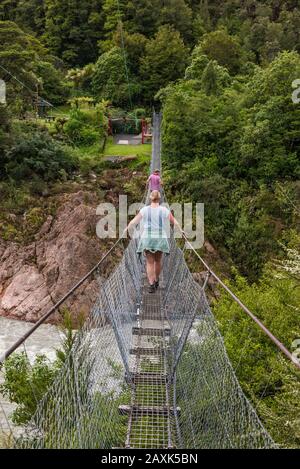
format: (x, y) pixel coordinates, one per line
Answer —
(222, 72)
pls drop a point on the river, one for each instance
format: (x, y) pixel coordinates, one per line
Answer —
(44, 341)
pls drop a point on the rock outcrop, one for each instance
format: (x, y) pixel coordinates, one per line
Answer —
(34, 277)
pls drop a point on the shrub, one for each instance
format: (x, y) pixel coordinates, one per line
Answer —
(38, 155)
(35, 217)
(26, 384)
(86, 126)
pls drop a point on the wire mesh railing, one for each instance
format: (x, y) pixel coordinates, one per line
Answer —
(80, 410)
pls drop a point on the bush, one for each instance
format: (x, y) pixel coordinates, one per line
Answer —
(38, 155)
(86, 127)
(25, 385)
(34, 218)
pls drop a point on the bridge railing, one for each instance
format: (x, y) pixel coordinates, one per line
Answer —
(80, 408)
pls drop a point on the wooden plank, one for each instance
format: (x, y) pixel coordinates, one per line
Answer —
(146, 351)
(147, 410)
(161, 332)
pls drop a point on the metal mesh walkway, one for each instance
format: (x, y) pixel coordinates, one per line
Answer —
(150, 413)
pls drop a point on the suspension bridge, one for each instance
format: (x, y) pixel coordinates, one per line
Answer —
(146, 370)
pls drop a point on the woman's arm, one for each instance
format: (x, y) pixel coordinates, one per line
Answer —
(134, 222)
(174, 221)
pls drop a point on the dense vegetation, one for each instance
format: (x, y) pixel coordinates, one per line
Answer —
(235, 141)
(157, 38)
(222, 71)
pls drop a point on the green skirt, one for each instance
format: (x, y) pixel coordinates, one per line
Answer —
(154, 245)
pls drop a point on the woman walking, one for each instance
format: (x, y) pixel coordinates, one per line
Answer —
(155, 181)
(155, 223)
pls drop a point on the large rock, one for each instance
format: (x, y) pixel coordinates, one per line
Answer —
(27, 294)
(34, 277)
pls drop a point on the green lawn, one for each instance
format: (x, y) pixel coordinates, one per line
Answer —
(113, 149)
(141, 152)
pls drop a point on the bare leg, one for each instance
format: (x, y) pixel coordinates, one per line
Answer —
(157, 265)
(150, 267)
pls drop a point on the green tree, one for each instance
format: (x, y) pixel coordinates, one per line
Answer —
(134, 45)
(52, 84)
(201, 20)
(269, 144)
(73, 29)
(19, 55)
(179, 15)
(19, 50)
(225, 49)
(37, 156)
(81, 78)
(26, 384)
(198, 64)
(164, 61)
(290, 21)
(86, 126)
(266, 377)
(24, 57)
(212, 76)
(29, 14)
(229, 144)
(111, 81)
(113, 11)
(142, 16)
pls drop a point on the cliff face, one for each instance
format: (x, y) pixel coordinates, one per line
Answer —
(34, 277)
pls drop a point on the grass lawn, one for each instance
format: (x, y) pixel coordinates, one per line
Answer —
(141, 152)
(91, 156)
(113, 149)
